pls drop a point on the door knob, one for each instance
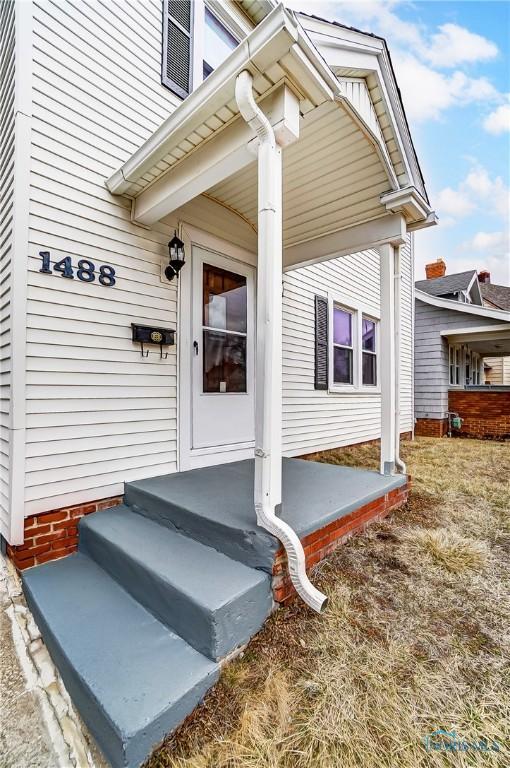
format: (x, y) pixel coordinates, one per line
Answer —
(195, 347)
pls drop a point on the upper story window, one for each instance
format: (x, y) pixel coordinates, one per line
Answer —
(218, 43)
(195, 42)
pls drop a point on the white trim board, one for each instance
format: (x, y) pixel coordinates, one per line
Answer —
(457, 306)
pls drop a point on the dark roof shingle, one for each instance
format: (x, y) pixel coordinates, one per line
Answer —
(499, 295)
(442, 286)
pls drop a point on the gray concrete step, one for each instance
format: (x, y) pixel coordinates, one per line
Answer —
(212, 601)
(132, 679)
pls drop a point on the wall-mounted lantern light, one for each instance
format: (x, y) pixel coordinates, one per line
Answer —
(176, 263)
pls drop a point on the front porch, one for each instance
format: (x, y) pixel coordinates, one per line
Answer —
(322, 503)
(177, 578)
(316, 166)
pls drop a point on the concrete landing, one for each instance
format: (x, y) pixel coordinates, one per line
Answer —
(215, 504)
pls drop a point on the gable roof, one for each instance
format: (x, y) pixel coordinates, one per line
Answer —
(498, 295)
(442, 286)
(382, 86)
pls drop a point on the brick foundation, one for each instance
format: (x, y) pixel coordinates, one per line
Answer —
(431, 427)
(54, 534)
(486, 414)
(319, 544)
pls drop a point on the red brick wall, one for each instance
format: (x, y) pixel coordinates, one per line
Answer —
(486, 414)
(319, 544)
(54, 534)
(431, 427)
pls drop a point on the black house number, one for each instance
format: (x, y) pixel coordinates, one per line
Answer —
(85, 271)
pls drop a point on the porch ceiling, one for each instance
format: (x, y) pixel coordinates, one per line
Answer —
(339, 176)
(488, 342)
(332, 178)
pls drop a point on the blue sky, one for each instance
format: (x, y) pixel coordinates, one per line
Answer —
(452, 61)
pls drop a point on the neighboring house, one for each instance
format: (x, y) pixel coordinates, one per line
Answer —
(280, 323)
(457, 333)
(497, 369)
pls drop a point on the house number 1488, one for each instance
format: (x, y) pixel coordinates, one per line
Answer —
(86, 270)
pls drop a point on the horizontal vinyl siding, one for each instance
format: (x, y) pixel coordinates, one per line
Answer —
(7, 131)
(97, 414)
(317, 420)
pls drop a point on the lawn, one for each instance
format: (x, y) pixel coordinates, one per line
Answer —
(415, 638)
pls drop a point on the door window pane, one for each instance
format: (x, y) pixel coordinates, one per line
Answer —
(224, 362)
(224, 300)
(342, 365)
(342, 327)
(218, 43)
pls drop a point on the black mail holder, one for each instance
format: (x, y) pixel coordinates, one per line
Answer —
(149, 334)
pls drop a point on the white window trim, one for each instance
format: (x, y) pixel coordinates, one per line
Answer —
(358, 311)
(455, 350)
(369, 387)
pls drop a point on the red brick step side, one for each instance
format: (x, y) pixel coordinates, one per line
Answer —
(54, 534)
(320, 543)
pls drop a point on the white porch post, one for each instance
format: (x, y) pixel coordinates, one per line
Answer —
(387, 359)
(268, 387)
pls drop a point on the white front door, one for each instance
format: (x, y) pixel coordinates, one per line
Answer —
(222, 350)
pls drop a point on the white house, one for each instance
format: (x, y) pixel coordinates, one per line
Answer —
(275, 147)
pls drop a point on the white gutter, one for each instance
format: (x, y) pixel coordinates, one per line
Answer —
(397, 262)
(457, 306)
(279, 30)
(268, 454)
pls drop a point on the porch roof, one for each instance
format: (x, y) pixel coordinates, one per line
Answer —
(488, 341)
(338, 175)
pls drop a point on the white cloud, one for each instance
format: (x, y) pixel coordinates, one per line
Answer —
(488, 241)
(454, 45)
(427, 93)
(453, 202)
(491, 250)
(499, 120)
(430, 244)
(478, 191)
(494, 191)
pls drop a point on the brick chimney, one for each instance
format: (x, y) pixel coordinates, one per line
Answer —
(484, 276)
(436, 269)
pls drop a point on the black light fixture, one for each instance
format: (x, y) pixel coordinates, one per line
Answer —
(176, 263)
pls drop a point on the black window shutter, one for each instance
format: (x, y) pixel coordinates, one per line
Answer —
(177, 70)
(321, 342)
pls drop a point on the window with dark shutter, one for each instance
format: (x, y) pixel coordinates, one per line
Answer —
(321, 342)
(177, 46)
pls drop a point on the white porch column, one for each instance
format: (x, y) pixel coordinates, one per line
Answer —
(387, 359)
(268, 387)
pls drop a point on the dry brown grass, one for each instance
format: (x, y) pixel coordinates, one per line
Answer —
(415, 638)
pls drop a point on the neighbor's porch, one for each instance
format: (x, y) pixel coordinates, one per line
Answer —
(483, 408)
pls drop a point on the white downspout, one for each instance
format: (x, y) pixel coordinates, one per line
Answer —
(268, 454)
(399, 464)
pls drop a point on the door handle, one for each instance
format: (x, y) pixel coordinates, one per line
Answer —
(195, 347)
